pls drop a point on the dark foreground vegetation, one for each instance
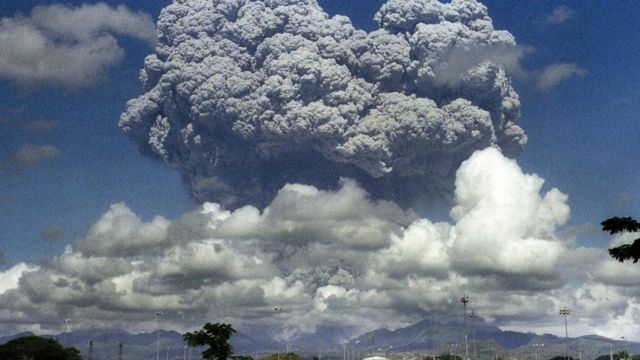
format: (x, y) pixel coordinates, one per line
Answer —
(37, 348)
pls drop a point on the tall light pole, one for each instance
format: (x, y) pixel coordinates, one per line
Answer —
(566, 312)
(276, 310)
(433, 334)
(473, 316)
(536, 347)
(464, 300)
(158, 315)
(454, 347)
(67, 325)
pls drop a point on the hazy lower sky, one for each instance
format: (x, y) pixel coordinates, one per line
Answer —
(317, 165)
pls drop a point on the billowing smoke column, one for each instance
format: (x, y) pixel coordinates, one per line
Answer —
(244, 96)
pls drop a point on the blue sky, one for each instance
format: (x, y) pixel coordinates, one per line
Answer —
(583, 128)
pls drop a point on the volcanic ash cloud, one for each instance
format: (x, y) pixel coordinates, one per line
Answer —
(243, 97)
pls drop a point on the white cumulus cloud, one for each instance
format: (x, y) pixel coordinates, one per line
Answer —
(320, 255)
(68, 46)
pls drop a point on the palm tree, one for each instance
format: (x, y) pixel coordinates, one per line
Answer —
(624, 252)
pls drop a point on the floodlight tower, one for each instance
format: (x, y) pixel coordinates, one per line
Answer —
(90, 349)
(277, 309)
(464, 300)
(566, 312)
(158, 315)
(67, 326)
(473, 315)
(537, 346)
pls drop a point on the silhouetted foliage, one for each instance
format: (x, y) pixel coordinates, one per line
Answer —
(216, 336)
(561, 357)
(616, 225)
(624, 354)
(242, 357)
(447, 356)
(37, 348)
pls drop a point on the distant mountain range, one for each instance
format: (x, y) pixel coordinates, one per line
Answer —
(491, 342)
(423, 338)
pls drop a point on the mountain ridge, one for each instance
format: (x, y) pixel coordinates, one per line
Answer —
(424, 337)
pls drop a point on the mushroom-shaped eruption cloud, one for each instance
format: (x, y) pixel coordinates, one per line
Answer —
(245, 96)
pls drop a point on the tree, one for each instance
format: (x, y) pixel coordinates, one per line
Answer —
(216, 336)
(448, 356)
(624, 355)
(616, 225)
(37, 348)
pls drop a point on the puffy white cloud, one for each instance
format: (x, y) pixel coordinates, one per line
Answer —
(325, 257)
(302, 214)
(502, 223)
(9, 279)
(615, 273)
(69, 46)
(120, 232)
(244, 97)
(554, 74)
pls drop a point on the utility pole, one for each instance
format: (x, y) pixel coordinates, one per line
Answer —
(566, 312)
(465, 300)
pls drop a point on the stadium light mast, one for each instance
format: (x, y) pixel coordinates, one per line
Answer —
(277, 309)
(464, 300)
(566, 312)
(67, 326)
(433, 334)
(537, 346)
(158, 315)
(473, 315)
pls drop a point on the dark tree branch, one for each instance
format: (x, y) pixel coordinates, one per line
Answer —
(616, 225)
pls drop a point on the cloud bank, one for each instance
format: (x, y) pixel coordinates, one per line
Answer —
(320, 255)
(67, 46)
(243, 97)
